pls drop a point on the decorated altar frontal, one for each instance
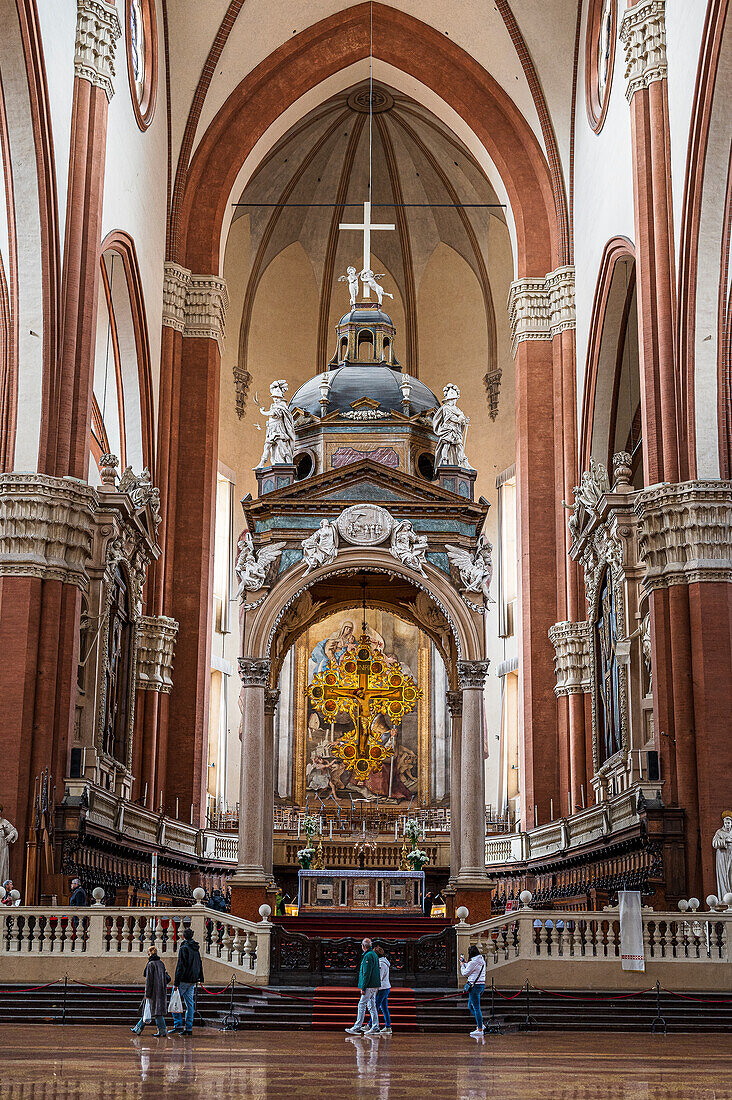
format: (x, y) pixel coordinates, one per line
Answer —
(360, 891)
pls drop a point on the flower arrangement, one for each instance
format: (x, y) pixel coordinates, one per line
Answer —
(412, 829)
(305, 856)
(418, 858)
(310, 827)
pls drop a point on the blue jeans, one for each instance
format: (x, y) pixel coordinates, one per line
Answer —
(159, 1021)
(187, 991)
(474, 1002)
(382, 1005)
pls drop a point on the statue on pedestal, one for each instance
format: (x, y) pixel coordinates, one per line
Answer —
(320, 548)
(352, 279)
(408, 547)
(8, 836)
(450, 424)
(722, 842)
(280, 437)
(251, 568)
(476, 571)
(369, 279)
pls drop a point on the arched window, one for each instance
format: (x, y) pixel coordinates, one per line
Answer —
(344, 348)
(599, 59)
(387, 350)
(365, 345)
(142, 59)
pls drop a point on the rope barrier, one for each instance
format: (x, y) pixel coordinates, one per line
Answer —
(700, 1000)
(589, 997)
(32, 988)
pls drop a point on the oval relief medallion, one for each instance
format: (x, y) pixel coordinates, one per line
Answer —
(364, 524)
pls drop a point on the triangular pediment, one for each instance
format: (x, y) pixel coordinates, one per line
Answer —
(364, 481)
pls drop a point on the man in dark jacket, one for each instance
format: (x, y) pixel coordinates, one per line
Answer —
(78, 893)
(369, 982)
(188, 972)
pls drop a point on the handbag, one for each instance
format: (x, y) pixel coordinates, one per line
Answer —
(176, 1002)
(146, 1012)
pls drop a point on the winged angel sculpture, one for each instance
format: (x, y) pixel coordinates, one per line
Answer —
(476, 570)
(252, 568)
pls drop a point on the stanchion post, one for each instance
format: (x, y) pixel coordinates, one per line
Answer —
(493, 1027)
(231, 1021)
(63, 1002)
(658, 1019)
(529, 1021)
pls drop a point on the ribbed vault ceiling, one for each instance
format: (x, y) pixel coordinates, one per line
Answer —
(324, 159)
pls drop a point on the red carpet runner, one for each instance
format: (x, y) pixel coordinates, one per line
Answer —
(334, 1008)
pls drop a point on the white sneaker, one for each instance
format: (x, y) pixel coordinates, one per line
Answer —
(386, 1031)
(477, 1034)
(355, 1030)
(372, 1031)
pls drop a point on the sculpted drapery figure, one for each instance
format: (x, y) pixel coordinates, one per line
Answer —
(476, 570)
(450, 424)
(408, 547)
(320, 548)
(8, 836)
(251, 568)
(280, 436)
(722, 842)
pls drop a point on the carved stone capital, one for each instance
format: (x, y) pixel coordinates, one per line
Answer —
(46, 527)
(254, 671)
(271, 699)
(156, 636)
(492, 383)
(175, 289)
(538, 309)
(454, 703)
(242, 382)
(97, 31)
(573, 657)
(685, 533)
(472, 674)
(643, 34)
(194, 305)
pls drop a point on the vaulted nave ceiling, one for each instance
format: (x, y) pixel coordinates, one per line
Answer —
(417, 165)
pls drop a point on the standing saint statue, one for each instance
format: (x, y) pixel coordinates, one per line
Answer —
(352, 279)
(450, 424)
(280, 437)
(8, 836)
(722, 842)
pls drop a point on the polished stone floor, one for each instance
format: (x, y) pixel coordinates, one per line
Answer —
(75, 1063)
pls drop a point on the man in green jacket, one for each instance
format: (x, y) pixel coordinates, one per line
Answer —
(369, 981)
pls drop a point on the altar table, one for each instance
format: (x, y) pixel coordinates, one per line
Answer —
(348, 890)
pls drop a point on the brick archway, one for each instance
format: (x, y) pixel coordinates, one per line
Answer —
(188, 438)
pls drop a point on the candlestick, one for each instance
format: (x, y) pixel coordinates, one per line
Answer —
(396, 826)
(176, 808)
(582, 792)
(298, 826)
(83, 762)
(551, 809)
(569, 802)
(331, 828)
(364, 826)
(144, 797)
(536, 817)
(191, 813)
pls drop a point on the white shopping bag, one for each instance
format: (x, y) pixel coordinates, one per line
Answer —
(176, 1002)
(146, 1013)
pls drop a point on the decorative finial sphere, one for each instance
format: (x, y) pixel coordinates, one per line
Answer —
(712, 900)
(199, 895)
(265, 911)
(727, 899)
(462, 912)
(525, 898)
(15, 895)
(683, 905)
(694, 904)
(98, 895)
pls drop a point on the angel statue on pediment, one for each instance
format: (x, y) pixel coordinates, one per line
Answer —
(476, 570)
(252, 568)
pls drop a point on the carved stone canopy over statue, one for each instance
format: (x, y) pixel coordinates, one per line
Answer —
(141, 491)
(722, 843)
(408, 547)
(450, 424)
(320, 548)
(476, 570)
(8, 836)
(587, 495)
(251, 568)
(280, 436)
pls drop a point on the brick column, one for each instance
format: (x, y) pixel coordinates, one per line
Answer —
(248, 885)
(572, 642)
(155, 653)
(195, 309)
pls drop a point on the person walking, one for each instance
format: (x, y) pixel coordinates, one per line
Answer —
(474, 971)
(382, 997)
(188, 972)
(157, 980)
(369, 982)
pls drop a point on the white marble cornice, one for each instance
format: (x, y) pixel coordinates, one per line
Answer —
(538, 309)
(195, 305)
(97, 31)
(643, 34)
(156, 635)
(46, 527)
(572, 657)
(685, 532)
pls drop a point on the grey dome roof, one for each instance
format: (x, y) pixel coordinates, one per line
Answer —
(367, 316)
(352, 382)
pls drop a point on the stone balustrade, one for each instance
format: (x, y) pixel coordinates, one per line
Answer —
(64, 934)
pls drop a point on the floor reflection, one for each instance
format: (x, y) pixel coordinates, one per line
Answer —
(79, 1063)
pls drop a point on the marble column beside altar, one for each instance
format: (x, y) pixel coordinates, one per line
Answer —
(472, 675)
(248, 886)
(455, 706)
(271, 699)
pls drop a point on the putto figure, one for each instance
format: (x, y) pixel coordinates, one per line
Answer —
(320, 548)
(369, 279)
(476, 570)
(408, 547)
(450, 424)
(251, 568)
(280, 437)
(352, 279)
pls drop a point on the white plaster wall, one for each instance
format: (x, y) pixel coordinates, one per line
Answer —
(684, 26)
(603, 194)
(135, 187)
(57, 20)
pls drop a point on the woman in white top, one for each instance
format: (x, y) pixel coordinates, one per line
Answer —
(474, 971)
(382, 997)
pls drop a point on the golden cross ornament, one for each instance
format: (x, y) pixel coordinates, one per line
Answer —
(363, 684)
